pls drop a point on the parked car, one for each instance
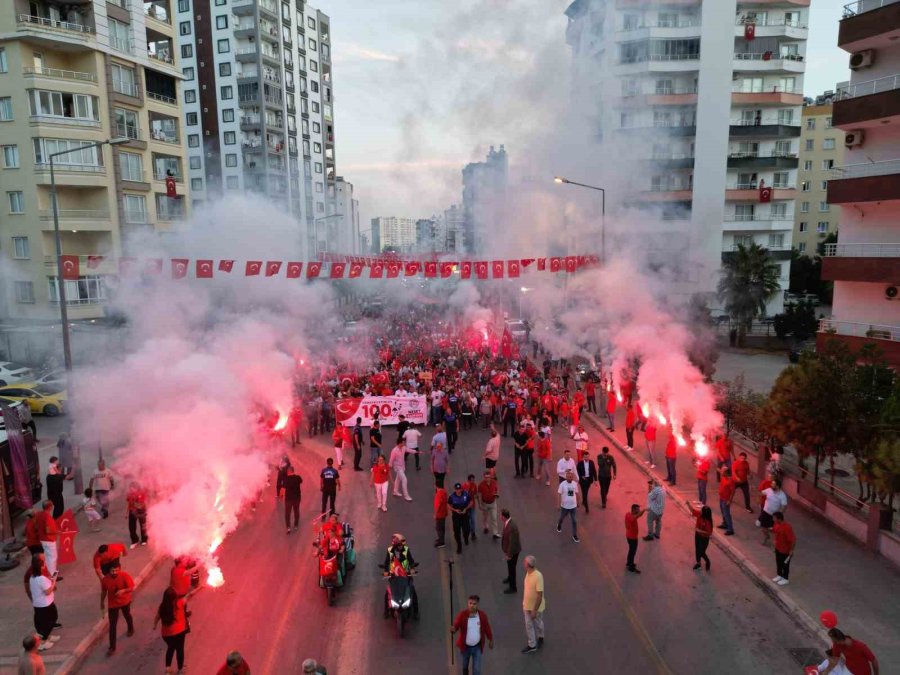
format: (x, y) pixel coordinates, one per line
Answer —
(517, 329)
(45, 399)
(56, 378)
(13, 372)
(801, 348)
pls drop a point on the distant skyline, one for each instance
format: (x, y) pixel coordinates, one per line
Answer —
(420, 86)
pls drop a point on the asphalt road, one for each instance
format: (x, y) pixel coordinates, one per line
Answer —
(599, 618)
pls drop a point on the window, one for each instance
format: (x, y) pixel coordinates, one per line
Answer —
(10, 156)
(231, 159)
(135, 208)
(786, 116)
(119, 38)
(229, 138)
(184, 28)
(24, 292)
(822, 226)
(187, 51)
(804, 226)
(313, 66)
(123, 80)
(306, 148)
(827, 164)
(191, 119)
(4, 66)
(318, 167)
(311, 22)
(6, 113)
(807, 165)
(827, 122)
(811, 123)
(188, 73)
(312, 45)
(219, 3)
(196, 183)
(222, 21)
(88, 290)
(227, 92)
(85, 155)
(21, 249)
(232, 182)
(224, 69)
(824, 185)
(193, 141)
(16, 202)
(778, 211)
(801, 247)
(804, 186)
(320, 188)
(228, 115)
(223, 46)
(126, 123)
(781, 179)
(317, 148)
(823, 207)
(190, 95)
(194, 162)
(810, 145)
(828, 144)
(314, 86)
(776, 241)
(804, 207)
(131, 167)
(744, 212)
(60, 104)
(184, 5)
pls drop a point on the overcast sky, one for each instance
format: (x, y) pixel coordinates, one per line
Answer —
(424, 86)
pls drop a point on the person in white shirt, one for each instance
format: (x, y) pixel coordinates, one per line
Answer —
(776, 500)
(566, 464)
(42, 599)
(398, 466)
(435, 415)
(411, 439)
(581, 440)
(568, 503)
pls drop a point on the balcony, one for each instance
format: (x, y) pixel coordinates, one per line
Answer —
(661, 62)
(161, 98)
(856, 335)
(684, 27)
(672, 161)
(672, 129)
(749, 192)
(777, 252)
(54, 30)
(753, 160)
(158, 11)
(866, 104)
(868, 182)
(871, 263)
(250, 122)
(662, 96)
(763, 62)
(778, 28)
(246, 54)
(83, 122)
(102, 264)
(57, 74)
(674, 192)
(758, 222)
(869, 24)
(78, 219)
(765, 128)
(776, 96)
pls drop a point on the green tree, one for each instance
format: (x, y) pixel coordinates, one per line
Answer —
(806, 273)
(749, 280)
(703, 351)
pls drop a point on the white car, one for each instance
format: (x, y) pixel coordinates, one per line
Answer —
(517, 329)
(54, 377)
(12, 372)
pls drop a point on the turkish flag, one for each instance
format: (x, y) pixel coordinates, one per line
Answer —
(412, 269)
(204, 269)
(171, 190)
(345, 410)
(273, 267)
(376, 269)
(446, 269)
(313, 269)
(226, 265)
(393, 270)
(337, 270)
(749, 31)
(526, 261)
(481, 269)
(94, 261)
(252, 268)
(582, 261)
(498, 269)
(68, 528)
(555, 264)
(542, 264)
(153, 266)
(571, 263)
(126, 266)
(765, 194)
(355, 269)
(69, 267)
(294, 269)
(506, 344)
(179, 268)
(431, 269)
(513, 267)
(465, 271)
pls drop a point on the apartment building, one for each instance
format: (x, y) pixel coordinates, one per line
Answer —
(865, 263)
(484, 199)
(259, 106)
(821, 149)
(390, 232)
(345, 236)
(73, 74)
(706, 97)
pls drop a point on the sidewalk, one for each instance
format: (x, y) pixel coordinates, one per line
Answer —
(829, 571)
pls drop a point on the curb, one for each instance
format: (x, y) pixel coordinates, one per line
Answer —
(98, 632)
(787, 604)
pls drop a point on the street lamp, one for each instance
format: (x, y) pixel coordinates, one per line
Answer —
(317, 221)
(560, 180)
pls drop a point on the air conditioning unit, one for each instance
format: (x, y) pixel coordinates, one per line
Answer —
(890, 293)
(863, 59)
(854, 138)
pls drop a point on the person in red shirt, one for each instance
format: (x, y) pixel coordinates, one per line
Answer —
(611, 411)
(703, 529)
(106, 555)
(858, 658)
(471, 644)
(137, 513)
(703, 465)
(47, 531)
(630, 421)
(381, 473)
(172, 614)
(488, 493)
(741, 471)
(671, 454)
(724, 452)
(180, 579)
(235, 664)
(471, 487)
(726, 496)
(118, 587)
(545, 455)
(590, 391)
(32, 539)
(763, 485)
(785, 541)
(441, 511)
(631, 535)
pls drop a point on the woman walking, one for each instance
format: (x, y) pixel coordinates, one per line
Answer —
(702, 532)
(42, 587)
(172, 614)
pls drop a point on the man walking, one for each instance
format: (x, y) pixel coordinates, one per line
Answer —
(357, 444)
(460, 502)
(488, 494)
(650, 439)
(590, 391)
(47, 532)
(741, 471)
(492, 450)
(587, 474)
(381, 474)
(703, 465)
(606, 472)
(511, 546)
(398, 466)
(611, 411)
(474, 628)
(102, 483)
(440, 515)
(292, 498)
(785, 542)
(857, 656)
(329, 483)
(565, 465)
(374, 442)
(520, 438)
(581, 441)
(568, 504)
(533, 606)
(671, 456)
(726, 496)
(440, 462)
(118, 586)
(631, 536)
(656, 502)
(411, 438)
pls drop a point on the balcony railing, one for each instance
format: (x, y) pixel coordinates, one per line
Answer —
(765, 122)
(62, 119)
(128, 131)
(863, 6)
(127, 88)
(776, 23)
(756, 217)
(163, 56)
(862, 250)
(59, 74)
(83, 260)
(162, 175)
(642, 58)
(674, 187)
(54, 23)
(755, 186)
(124, 45)
(869, 87)
(866, 170)
(75, 214)
(863, 330)
(163, 136)
(774, 247)
(681, 23)
(774, 89)
(168, 217)
(162, 98)
(245, 50)
(80, 168)
(766, 56)
(157, 12)
(756, 155)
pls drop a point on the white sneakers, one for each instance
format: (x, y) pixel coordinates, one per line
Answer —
(783, 582)
(776, 579)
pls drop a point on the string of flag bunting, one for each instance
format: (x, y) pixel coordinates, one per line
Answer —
(339, 267)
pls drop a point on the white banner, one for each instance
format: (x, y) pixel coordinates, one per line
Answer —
(387, 408)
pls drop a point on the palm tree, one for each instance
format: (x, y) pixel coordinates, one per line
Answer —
(749, 280)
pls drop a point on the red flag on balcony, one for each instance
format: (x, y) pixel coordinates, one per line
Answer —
(70, 269)
(204, 269)
(513, 268)
(94, 261)
(376, 270)
(571, 263)
(153, 266)
(313, 270)
(498, 266)
(765, 193)
(294, 269)
(430, 269)
(412, 269)
(337, 270)
(171, 191)
(355, 269)
(749, 31)
(555, 264)
(273, 267)
(393, 270)
(226, 265)
(481, 269)
(252, 268)
(465, 270)
(179, 268)
(541, 264)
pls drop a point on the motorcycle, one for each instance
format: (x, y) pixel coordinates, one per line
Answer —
(399, 601)
(337, 555)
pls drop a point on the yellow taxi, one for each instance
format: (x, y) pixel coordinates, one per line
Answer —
(45, 399)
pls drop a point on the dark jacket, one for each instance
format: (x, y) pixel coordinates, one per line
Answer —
(606, 465)
(591, 475)
(510, 544)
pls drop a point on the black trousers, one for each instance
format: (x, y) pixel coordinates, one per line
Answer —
(605, 482)
(517, 454)
(133, 521)
(44, 620)
(452, 438)
(294, 507)
(440, 526)
(326, 497)
(629, 436)
(357, 457)
(509, 419)
(782, 565)
(745, 488)
(113, 613)
(528, 462)
(701, 543)
(439, 478)
(175, 647)
(460, 530)
(511, 566)
(632, 550)
(592, 404)
(585, 489)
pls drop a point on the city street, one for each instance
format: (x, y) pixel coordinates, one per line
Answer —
(670, 619)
